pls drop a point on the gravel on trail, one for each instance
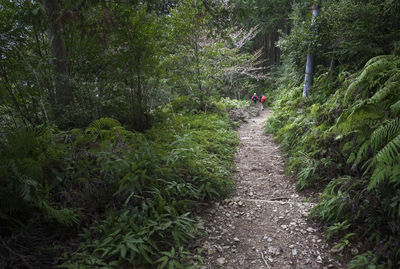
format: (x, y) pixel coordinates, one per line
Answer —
(264, 223)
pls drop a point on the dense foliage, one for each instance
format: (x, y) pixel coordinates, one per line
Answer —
(70, 62)
(112, 129)
(132, 193)
(344, 138)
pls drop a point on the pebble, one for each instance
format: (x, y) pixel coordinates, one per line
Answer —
(236, 239)
(294, 252)
(274, 250)
(221, 261)
(319, 259)
(240, 203)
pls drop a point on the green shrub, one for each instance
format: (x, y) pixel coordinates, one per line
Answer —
(158, 177)
(346, 138)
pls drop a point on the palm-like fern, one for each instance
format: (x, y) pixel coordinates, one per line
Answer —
(375, 70)
(104, 124)
(25, 154)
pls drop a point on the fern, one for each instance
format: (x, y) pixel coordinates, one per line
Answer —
(65, 216)
(385, 133)
(104, 124)
(388, 154)
(395, 108)
(390, 88)
(370, 77)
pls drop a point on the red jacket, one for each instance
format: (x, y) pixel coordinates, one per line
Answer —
(263, 99)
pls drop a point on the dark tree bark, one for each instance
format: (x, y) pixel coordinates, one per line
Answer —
(308, 78)
(62, 85)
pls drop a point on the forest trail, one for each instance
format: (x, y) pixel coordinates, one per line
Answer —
(264, 224)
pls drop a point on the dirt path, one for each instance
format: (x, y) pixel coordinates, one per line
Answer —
(263, 225)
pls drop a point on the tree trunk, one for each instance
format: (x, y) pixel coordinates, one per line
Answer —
(62, 83)
(308, 78)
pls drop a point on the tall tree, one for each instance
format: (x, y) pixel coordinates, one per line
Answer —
(63, 89)
(308, 78)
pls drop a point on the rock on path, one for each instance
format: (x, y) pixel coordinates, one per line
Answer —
(263, 225)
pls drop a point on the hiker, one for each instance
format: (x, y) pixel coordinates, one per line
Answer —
(254, 98)
(262, 100)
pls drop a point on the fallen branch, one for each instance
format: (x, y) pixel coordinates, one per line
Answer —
(274, 202)
(279, 198)
(265, 261)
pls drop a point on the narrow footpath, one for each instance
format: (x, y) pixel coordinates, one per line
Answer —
(264, 224)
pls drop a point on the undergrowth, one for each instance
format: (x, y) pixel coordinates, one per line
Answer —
(345, 138)
(128, 196)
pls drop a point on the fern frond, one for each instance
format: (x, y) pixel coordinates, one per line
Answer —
(392, 87)
(385, 133)
(104, 124)
(380, 58)
(362, 152)
(395, 108)
(65, 216)
(376, 67)
(395, 174)
(389, 153)
(379, 175)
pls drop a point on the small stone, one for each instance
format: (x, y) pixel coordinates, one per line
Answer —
(269, 239)
(294, 252)
(219, 248)
(319, 259)
(284, 227)
(309, 229)
(240, 203)
(221, 261)
(236, 239)
(291, 246)
(274, 250)
(251, 193)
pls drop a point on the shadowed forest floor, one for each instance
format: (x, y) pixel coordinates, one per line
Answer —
(264, 223)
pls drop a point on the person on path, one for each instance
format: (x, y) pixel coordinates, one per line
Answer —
(254, 98)
(262, 100)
